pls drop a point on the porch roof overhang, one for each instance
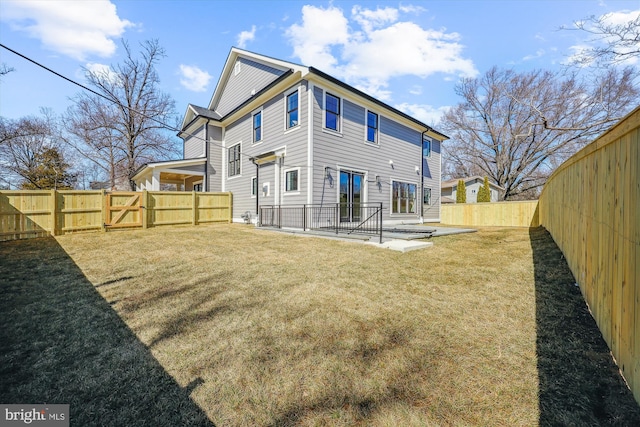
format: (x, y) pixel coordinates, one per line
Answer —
(171, 167)
(268, 157)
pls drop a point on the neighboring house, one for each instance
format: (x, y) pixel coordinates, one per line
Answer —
(472, 184)
(278, 133)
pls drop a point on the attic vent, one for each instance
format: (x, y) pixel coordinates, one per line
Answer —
(236, 69)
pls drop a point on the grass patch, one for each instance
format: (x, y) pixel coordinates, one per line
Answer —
(259, 328)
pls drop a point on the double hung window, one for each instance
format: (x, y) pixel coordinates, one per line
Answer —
(291, 178)
(332, 112)
(257, 127)
(233, 157)
(372, 127)
(292, 109)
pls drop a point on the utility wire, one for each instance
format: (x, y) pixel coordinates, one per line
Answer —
(114, 101)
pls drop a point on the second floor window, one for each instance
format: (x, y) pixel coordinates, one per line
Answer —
(426, 147)
(332, 112)
(234, 160)
(372, 127)
(257, 127)
(292, 109)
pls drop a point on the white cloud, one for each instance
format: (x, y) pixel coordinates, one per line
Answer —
(369, 19)
(582, 52)
(73, 28)
(425, 113)
(383, 49)
(246, 36)
(412, 9)
(320, 30)
(101, 70)
(193, 78)
(539, 53)
(416, 90)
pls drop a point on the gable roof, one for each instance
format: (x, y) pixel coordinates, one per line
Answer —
(453, 182)
(193, 112)
(236, 53)
(288, 68)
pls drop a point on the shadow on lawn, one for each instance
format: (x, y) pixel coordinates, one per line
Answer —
(61, 342)
(579, 384)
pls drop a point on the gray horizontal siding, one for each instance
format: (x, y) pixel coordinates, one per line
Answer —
(194, 144)
(253, 76)
(214, 168)
(275, 136)
(397, 143)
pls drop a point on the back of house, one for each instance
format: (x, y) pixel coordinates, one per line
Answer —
(281, 134)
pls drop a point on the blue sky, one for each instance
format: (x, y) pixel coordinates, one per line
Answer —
(410, 54)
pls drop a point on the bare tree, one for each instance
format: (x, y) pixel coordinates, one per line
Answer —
(24, 145)
(516, 128)
(613, 41)
(125, 126)
(4, 69)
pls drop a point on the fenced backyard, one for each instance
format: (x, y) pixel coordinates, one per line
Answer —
(591, 207)
(245, 327)
(229, 325)
(38, 213)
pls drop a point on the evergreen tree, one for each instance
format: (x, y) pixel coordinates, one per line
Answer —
(461, 194)
(484, 193)
(50, 172)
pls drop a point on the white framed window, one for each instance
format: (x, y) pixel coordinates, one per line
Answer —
(254, 186)
(292, 180)
(332, 112)
(403, 197)
(233, 160)
(257, 126)
(292, 109)
(426, 147)
(426, 197)
(373, 123)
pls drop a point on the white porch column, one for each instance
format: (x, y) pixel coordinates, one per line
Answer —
(155, 182)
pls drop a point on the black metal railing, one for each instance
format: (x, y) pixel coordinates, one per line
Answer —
(348, 218)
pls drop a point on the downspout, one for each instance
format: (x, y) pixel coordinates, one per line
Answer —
(422, 160)
(257, 190)
(205, 181)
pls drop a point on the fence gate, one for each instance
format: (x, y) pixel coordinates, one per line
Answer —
(123, 209)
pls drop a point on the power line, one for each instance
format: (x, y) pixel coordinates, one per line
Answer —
(118, 103)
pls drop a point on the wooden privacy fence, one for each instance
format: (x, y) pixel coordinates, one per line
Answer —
(591, 207)
(36, 213)
(501, 214)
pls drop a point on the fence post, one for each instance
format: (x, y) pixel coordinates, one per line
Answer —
(304, 217)
(380, 216)
(337, 216)
(194, 205)
(103, 200)
(54, 211)
(145, 211)
(230, 198)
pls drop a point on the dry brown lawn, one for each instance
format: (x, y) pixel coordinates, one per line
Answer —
(258, 328)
